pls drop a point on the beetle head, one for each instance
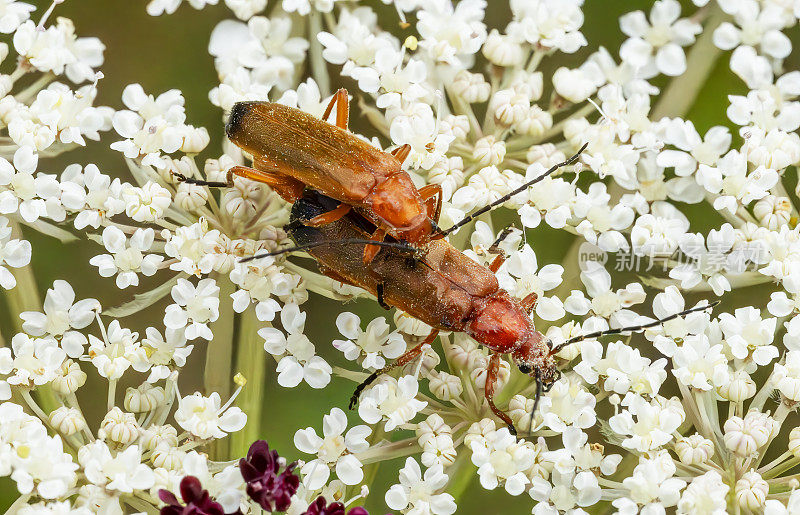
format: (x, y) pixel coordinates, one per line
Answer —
(533, 358)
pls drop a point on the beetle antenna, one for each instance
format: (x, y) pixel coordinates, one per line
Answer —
(634, 328)
(347, 241)
(505, 198)
(536, 400)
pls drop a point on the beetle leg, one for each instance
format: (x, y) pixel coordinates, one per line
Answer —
(495, 247)
(381, 302)
(497, 263)
(432, 196)
(410, 355)
(529, 302)
(491, 382)
(342, 108)
(329, 217)
(402, 152)
(370, 251)
(288, 188)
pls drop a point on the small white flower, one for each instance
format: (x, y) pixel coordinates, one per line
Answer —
(146, 204)
(195, 307)
(334, 450)
(705, 494)
(14, 253)
(392, 399)
(298, 361)
(123, 472)
(655, 423)
(417, 493)
(61, 316)
(127, 256)
(204, 417)
(375, 340)
(656, 46)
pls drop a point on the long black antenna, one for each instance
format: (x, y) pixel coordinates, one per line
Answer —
(346, 241)
(505, 198)
(632, 328)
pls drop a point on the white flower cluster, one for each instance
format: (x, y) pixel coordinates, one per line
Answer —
(691, 418)
(57, 456)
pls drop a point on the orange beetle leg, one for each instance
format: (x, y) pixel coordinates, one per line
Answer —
(410, 355)
(370, 251)
(491, 382)
(432, 196)
(497, 263)
(329, 217)
(342, 108)
(288, 188)
(402, 152)
(529, 302)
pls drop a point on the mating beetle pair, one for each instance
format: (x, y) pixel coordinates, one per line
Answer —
(361, 217)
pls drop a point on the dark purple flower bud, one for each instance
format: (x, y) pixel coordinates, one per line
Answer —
(197, 500)
(320, 507)
(271, 490)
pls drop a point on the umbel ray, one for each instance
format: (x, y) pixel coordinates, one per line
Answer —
(440, 286)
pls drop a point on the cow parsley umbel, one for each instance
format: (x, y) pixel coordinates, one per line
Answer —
(686, 192)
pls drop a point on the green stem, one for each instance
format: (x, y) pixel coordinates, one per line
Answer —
(319, 68)
(679, 96)
(25, 295)
(217, 372)
(250, 363)
(460, 479)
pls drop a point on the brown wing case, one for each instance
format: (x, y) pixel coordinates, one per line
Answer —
(442, 289)
(323, 156)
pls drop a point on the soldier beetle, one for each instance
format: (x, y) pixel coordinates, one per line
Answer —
(293, 150)
(440, 286)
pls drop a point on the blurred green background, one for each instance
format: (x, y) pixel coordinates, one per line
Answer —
(171, 52)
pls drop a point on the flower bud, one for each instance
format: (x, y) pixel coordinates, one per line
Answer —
(471, 87)
(460, 352)
(119, 427)
(155, 436)
(144, 398)
(489, 151)
(740, 387)
(407, 324)
(168, 457)
(479, 374)
(502, 50)
(438, 449)
(67, 421)
(744, 436)
(478, 431)
(445, 386)
(458, 126)
(694, 449)
(751, 491)
(429, 361)
(794, 442)
(509, 107)
(773, 212)
(520, 409)
(573, 85)
(536, 123)
(195, 140)
(190, 197)
(434, 424)
(69, 378)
